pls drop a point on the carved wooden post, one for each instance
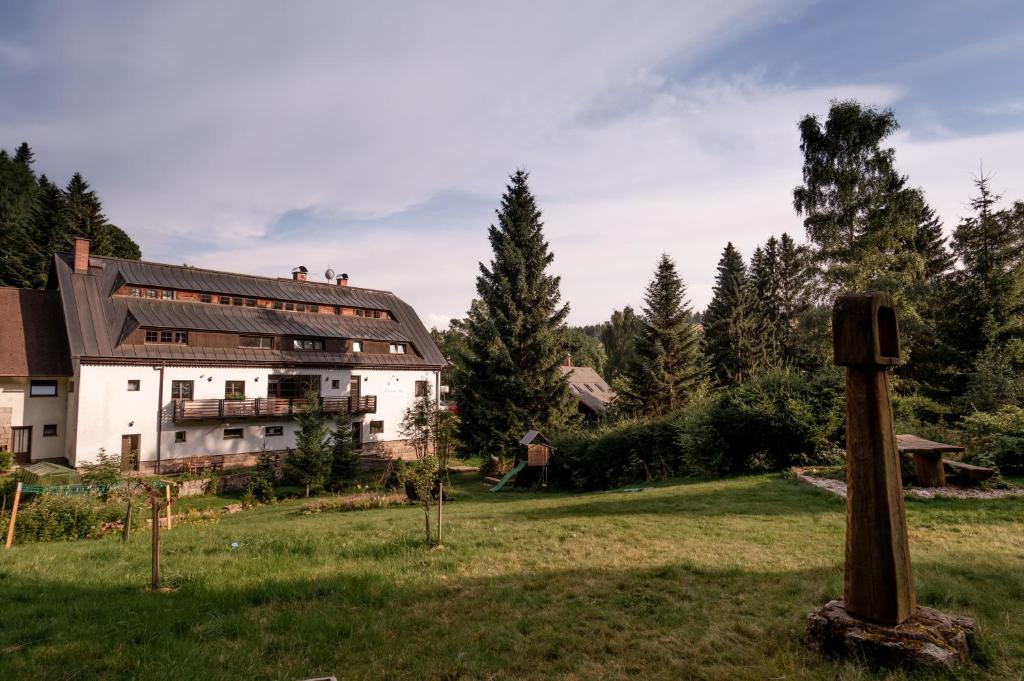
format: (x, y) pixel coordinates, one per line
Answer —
(879, 583)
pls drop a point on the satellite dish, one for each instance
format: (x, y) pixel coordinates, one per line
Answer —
(329, 274)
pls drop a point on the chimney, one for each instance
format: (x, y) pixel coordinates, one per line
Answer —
(343, 280)
(81, 255)
(299, 273)
(567, 362)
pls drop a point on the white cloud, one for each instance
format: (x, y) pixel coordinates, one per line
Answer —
(201, 125)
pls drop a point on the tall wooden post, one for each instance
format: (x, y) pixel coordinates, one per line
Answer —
(440, 510)
(167, 496)
(879, 583)
(155, 503)
(14, 517)
(127, 521)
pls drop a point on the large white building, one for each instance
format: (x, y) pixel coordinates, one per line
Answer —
(159, 363)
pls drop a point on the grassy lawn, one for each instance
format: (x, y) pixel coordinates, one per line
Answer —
(707, 580)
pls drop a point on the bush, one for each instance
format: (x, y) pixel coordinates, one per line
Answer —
(773, 421)
(6, 460)
(358, 502)
(54, 518)
(996, 439)
(106, 470)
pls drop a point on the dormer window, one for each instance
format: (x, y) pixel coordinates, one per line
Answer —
(167, 294)
(169, 336)
(357, 346)
(307, 344)
(397, 348)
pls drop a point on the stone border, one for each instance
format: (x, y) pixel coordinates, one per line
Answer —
(838, 488)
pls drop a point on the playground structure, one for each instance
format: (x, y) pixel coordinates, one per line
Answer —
(531, 466)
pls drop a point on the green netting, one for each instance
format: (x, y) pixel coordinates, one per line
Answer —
(49, 474)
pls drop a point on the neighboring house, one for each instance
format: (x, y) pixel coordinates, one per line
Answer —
(34, 375)
(587, 386)
(174, 361)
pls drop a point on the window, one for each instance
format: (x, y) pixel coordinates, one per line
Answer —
(236, 301)
(307, 344)
(357, 346)
(150, 293)
(152, 336)
(167, 336)
(292, 386)
(50, 430)
(337, 310)
(43, 389)
(181, 337)
(273, 431)
(224, 300)
(250, 302)
(205, 298)
(255, 342)
(376, 314)
(181, 390)
(290, 307)
(233, 433)
(135, 292)
(277, 305)
(422, 388)
(335, 384)
(133, 385)
(167, 294)
(314, 308)
(397, 349)
(234, 390)
(179, 436)
(376, 427)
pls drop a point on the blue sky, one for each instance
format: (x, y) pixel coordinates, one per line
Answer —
(376, 138)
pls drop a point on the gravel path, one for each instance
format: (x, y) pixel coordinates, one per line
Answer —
(838, 487)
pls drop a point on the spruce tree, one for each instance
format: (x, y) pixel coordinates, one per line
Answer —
(930, 243)
(667, 368)
(730, 345)
(83, 214)
(309, 463)
(765, 281)
(19, 205)
(619, 337)
(511, 381)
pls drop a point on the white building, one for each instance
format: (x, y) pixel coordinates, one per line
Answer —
(166, 362)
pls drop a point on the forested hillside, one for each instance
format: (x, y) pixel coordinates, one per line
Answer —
(38, 217)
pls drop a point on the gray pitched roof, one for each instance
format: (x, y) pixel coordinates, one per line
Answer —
(96, 321)
(598, 396)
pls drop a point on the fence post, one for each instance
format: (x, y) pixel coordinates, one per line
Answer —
(167, 497)
(14, 516)
(127, 521)
(156, 541)
(440, 510)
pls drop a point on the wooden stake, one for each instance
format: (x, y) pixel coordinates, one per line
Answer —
(440, 509)
(14, 516)
(127, 521)
(167, 497)
(156, 541)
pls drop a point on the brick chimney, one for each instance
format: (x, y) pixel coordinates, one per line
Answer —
(81, 252)
(343, 280)
(300, 273)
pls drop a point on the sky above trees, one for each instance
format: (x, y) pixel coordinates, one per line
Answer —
(377, 139)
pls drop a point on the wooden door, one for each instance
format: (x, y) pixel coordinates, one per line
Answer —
(353, 390)
(357, 434)
(21, 444)
(130, 452)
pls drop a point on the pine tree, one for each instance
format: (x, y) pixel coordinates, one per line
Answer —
(730, 345)
(930, 243)
(83, 214)
(513, 348)
(987, 291)
(19, 205)
(668, 366)
(344, 459)
(765, 280)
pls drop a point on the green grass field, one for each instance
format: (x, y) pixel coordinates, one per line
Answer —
(702, 580)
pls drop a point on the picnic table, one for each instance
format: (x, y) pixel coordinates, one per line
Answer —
(929, 464)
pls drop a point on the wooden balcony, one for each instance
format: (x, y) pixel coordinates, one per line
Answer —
(268, 408)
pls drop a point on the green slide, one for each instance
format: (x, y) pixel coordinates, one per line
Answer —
(508, 476)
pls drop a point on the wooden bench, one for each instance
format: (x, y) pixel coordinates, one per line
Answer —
(930, 466)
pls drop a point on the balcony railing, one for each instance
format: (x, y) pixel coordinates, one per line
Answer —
(268, 407)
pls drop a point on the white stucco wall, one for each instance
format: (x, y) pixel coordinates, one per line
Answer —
(37, 412)
(107, 410)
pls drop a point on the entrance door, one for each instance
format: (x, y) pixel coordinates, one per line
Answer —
(357, 434)
(21, 444)
(130, 452)
(353, 390)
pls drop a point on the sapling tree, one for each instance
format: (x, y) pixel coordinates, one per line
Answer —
(422, 477)
(309, 463)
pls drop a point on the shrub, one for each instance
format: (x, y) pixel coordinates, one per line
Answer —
(773, 421)
(106, 470)
(53, 518)
(6, 460)
(358, 502)
(996, 439)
